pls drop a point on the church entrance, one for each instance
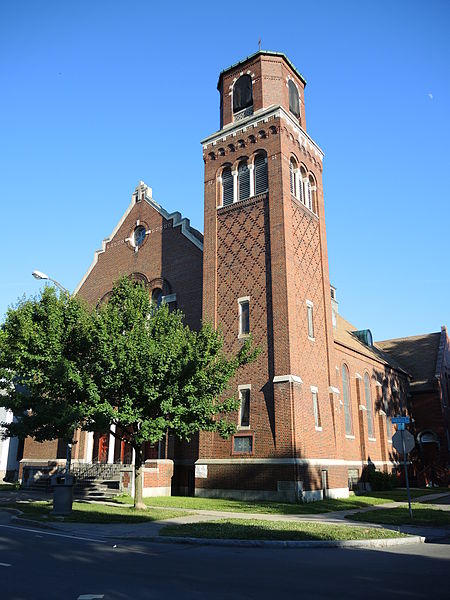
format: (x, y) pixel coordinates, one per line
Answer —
(101, 446)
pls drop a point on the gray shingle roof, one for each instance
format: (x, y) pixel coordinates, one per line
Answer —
(418, 355)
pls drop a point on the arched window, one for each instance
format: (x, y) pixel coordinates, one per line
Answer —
(294, 102)
(244, 181)
(308, 194)
(368, 405)
(301, 185)
(260, 174)
(227, 187)
(242, 93)
(157, 296)
(312, 194)
(293, 176)
(346, 399)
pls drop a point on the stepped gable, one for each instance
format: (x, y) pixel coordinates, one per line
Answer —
(144, 192)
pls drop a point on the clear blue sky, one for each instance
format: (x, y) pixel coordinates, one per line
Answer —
(98, 95)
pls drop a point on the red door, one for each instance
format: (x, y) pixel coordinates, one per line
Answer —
(101, 445)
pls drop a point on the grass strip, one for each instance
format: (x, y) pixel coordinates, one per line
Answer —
(92, 513)
(253, 529)
(422, 515)
(279, 508)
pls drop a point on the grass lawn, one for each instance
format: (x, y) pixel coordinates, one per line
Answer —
(93, 513)
(243, 529)
(8, 487)
(279, 508)
(422, 515)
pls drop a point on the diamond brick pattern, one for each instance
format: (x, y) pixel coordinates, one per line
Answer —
(241, 268)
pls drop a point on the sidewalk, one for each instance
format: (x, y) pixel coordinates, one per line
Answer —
(151, 529)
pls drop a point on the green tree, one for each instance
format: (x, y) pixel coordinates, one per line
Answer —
(44, 355)
(155, 376)
(126, 364)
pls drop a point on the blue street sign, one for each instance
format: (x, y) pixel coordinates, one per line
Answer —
(400, 420)
(400, 426)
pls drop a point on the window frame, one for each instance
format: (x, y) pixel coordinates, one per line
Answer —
(235, 111)
(226, 168)
(241, 301)
(369, 406)
(293, 86)
(263, 155)
(244, 388)
(316, 408)
(347, 401)
(243, 434)
(310, 323)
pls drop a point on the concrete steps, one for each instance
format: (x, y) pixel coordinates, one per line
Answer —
(92, 482)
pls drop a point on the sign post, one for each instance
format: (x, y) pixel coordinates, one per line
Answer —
(404, 445)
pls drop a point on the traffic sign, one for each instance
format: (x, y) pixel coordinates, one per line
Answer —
(403, 437)
(397, 420)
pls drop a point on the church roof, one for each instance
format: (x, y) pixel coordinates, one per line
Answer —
(418, 354)
(344, 334)
(261, 53)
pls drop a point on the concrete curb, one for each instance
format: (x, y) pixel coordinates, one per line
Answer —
(377, 543)
(39, 524)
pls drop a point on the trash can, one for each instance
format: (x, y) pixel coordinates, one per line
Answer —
(62, 486)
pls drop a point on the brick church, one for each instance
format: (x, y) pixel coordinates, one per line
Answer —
(316, 406)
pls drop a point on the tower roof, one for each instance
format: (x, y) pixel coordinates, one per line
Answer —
(261, 53)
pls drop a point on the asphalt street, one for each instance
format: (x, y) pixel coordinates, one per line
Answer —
(39, 565)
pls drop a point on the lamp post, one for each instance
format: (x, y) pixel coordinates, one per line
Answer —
(40, 275)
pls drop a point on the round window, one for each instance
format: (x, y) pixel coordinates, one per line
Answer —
(139, 236)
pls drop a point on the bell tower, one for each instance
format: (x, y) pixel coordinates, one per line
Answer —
(265, 274)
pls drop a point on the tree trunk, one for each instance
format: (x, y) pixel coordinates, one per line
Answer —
(138, 479)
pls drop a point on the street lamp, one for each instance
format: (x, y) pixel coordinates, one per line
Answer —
(41, 275)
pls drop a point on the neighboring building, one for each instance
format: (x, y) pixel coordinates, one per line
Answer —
(427, 359)
(9, 451)
(316, 406)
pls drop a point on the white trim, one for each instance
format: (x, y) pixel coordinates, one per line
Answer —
(372, 439)
(362, 407)
(246, 386)
(287, 378)
(378, 384)
(314, 388)
(318, 428)
(349, 437)
(111, 445)
(309, 303)
(331, 462)
(260, 117)
(89, 446)
(177, 221)
(241, 301)
(334, 390)
(358, 376)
